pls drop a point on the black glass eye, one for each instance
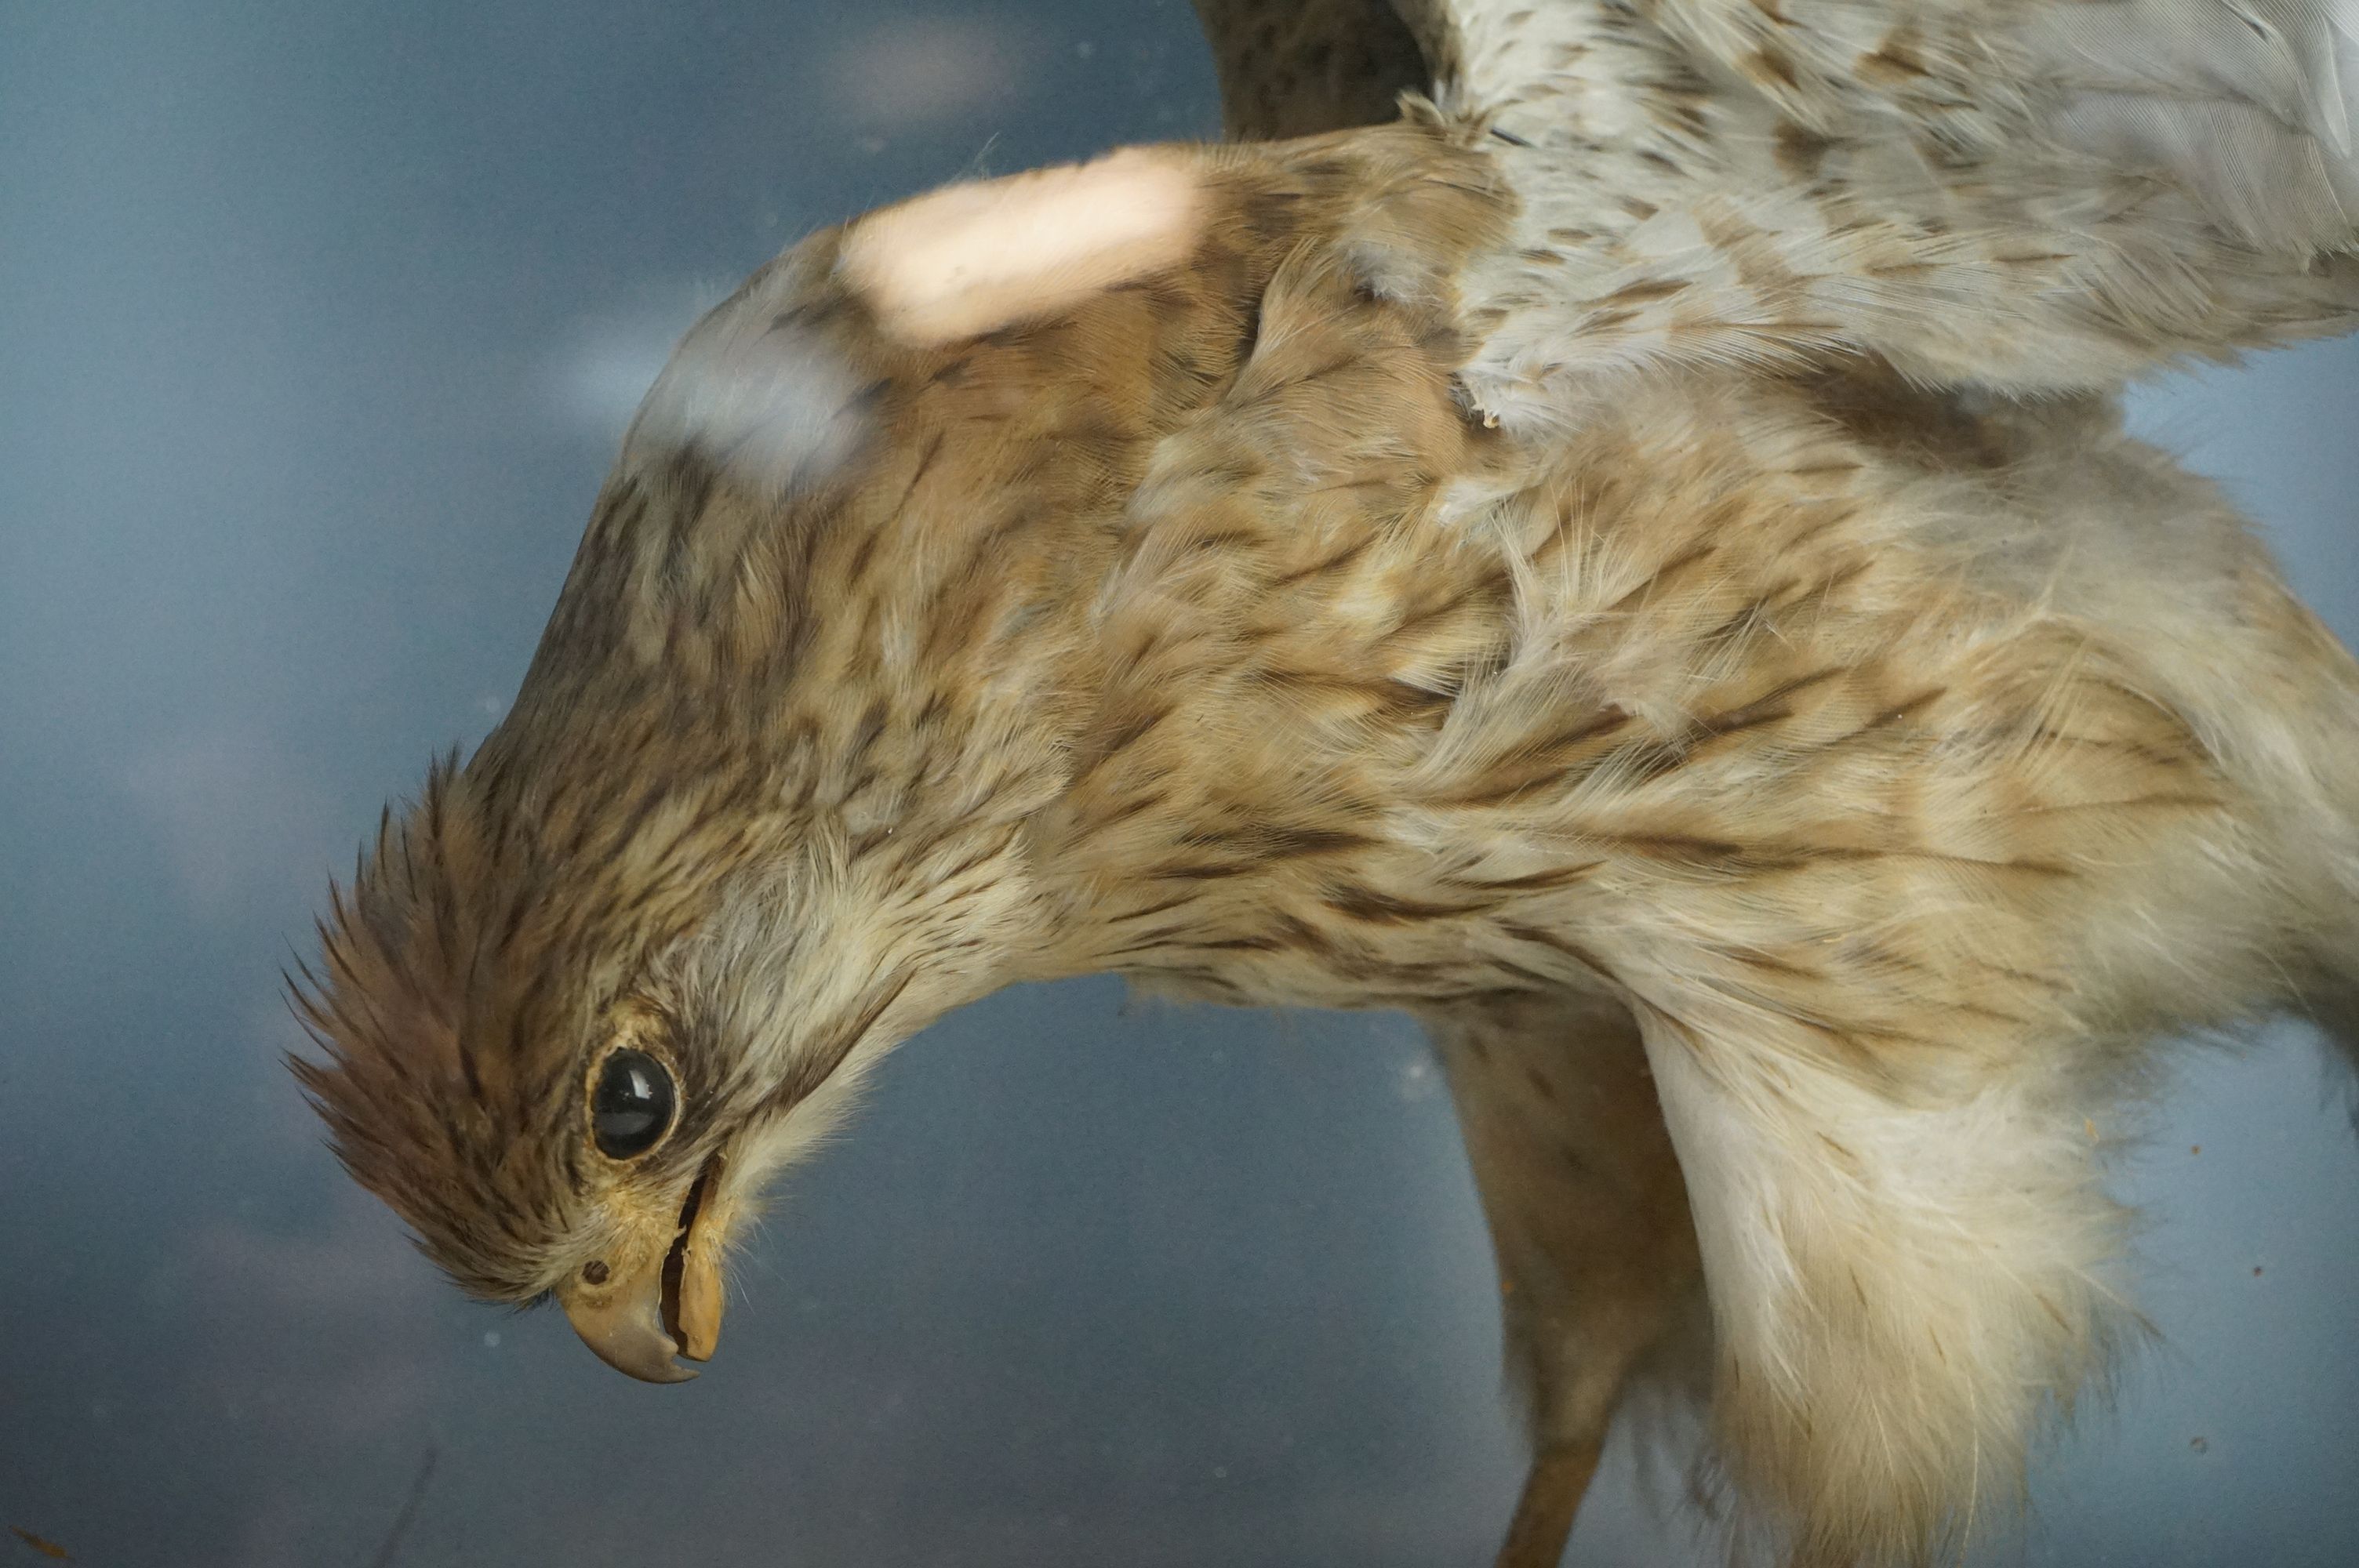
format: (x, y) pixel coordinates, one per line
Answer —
(631, 1109)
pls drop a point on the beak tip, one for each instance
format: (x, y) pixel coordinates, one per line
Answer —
(627, 1334)
(647, 1361)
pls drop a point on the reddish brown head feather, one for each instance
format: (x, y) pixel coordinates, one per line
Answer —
(418, 1108)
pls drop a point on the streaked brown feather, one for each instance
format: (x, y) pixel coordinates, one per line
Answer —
(1881, 768)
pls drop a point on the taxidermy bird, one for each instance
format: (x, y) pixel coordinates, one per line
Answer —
(1632, 558)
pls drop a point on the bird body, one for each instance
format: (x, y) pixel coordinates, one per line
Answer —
(1797, 772)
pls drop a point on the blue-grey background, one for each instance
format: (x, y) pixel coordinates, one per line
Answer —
(317, 324)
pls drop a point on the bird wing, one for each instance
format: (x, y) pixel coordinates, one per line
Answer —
(2031, 195)
(1293, 68)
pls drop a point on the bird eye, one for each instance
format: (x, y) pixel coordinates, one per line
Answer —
(631, 1109)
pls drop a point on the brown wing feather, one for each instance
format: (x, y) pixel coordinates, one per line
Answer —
(1295, 70)
(2026, 194)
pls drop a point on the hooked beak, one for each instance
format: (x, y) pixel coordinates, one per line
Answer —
(640, 1308)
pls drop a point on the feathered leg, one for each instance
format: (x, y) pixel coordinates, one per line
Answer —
(1587, 1217)
(1905, 1272)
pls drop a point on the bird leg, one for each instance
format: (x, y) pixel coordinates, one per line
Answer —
(1589, 1223)
(1907, 1268)
(1552, 1494)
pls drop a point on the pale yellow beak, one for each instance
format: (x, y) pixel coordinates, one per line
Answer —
(657, 1295)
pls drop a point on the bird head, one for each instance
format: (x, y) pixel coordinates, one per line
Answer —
(792, 770)
(569, 1066)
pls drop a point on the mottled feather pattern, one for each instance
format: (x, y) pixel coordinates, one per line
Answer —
(1993, 194)
(1579, 562)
